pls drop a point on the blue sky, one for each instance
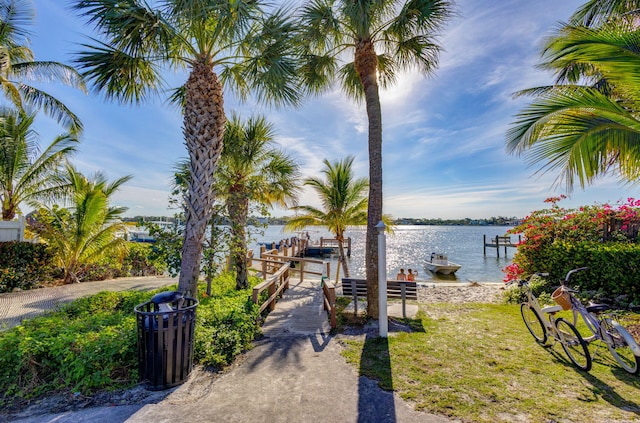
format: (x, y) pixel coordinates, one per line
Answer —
(443, 136)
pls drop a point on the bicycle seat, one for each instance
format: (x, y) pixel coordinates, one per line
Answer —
(552, 309)
(598, 308)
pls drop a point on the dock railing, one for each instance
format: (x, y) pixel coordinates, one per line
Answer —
(275, 285)
(276, 275)
(302, 265)
(329, 291)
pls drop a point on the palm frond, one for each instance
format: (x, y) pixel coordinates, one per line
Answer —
(117, 74)
(15, 18)
(270, 62)
(51, 106)
(577, 131)
(595, 13)
(605, 51)
(47, 71)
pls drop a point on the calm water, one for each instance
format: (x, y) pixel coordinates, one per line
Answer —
(411, 246)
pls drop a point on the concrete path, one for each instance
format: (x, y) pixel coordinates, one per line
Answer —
(17, 306)
(296, 373)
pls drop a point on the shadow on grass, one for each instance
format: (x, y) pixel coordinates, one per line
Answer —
(608, 393)
(599, 388)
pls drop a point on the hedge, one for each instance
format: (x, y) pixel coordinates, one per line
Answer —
(23, 265)
(613, 268)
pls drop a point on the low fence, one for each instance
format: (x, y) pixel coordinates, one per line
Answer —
(301, 265)
(329, 291)
(12, 230)
(274, 285)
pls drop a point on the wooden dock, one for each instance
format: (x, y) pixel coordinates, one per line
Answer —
(301, 247)
(500, 241)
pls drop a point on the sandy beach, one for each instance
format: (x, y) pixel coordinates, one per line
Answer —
(429, 292)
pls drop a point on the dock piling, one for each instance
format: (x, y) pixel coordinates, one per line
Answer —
(499, 241)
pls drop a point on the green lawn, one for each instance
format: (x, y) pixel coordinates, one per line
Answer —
(478, 362)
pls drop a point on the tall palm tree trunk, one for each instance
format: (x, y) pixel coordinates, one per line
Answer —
(238, 208)
(204, 124)
(366, 65)
(342, 257)
(8, 210)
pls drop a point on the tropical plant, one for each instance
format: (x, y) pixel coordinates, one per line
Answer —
(25, 174)
(18, 67)
(546, 227)
(385, 38)
(344, 203)
(249, 47)
(586, 125)
(86, 231)
(252, 170)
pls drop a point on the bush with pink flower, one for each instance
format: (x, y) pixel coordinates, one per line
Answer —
(601, 237)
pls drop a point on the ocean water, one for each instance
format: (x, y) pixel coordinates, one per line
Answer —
(410, 246)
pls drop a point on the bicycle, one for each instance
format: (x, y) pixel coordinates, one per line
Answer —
(560, 330)
(599, 319)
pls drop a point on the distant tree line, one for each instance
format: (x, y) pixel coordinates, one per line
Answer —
(282, 220)
(492, 221)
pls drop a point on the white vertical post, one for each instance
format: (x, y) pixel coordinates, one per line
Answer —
(382, 280)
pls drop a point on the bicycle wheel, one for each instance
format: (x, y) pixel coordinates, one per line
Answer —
(621, 345)
(573, 344)
(534, 323)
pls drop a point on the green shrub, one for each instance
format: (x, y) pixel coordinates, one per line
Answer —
(540, 287)
(557, 240)
(91, 343)
(139, 261)
(225, 327)
(23, 265)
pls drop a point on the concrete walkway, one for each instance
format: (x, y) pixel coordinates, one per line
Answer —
(296, 373)
(17, 306)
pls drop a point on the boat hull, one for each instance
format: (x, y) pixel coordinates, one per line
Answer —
(444, 269)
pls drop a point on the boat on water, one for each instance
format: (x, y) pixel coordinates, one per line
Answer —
(439, 263)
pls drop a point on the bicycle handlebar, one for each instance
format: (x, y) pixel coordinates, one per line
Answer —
(570, 272)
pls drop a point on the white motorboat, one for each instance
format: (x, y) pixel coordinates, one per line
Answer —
(439, 263)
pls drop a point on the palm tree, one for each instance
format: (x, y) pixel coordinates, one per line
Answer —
(18, 66)
(86, 231)
(252, 170)
(385, 37)
(588, 123)
(25, 173)
(248, 47)
(344, 203)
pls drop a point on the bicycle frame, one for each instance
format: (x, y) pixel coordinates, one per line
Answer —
(548, 311)
(593, 322)
(600, 322)
(560, 330)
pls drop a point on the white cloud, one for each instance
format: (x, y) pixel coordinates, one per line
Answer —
(443, 136)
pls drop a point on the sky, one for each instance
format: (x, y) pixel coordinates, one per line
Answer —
(443, 136)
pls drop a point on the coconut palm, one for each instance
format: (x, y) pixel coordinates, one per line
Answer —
(252, 170)
(595, 13)
(384, 37)
(588, 124)
(18, 66)
(26, 174)
(240, 41)
(344, 203)
(85, 232)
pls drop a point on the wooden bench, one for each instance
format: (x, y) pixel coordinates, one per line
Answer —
(404, 290)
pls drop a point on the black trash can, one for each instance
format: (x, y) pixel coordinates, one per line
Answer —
(165, 339)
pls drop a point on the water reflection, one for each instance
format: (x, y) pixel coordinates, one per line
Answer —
(410, 246)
